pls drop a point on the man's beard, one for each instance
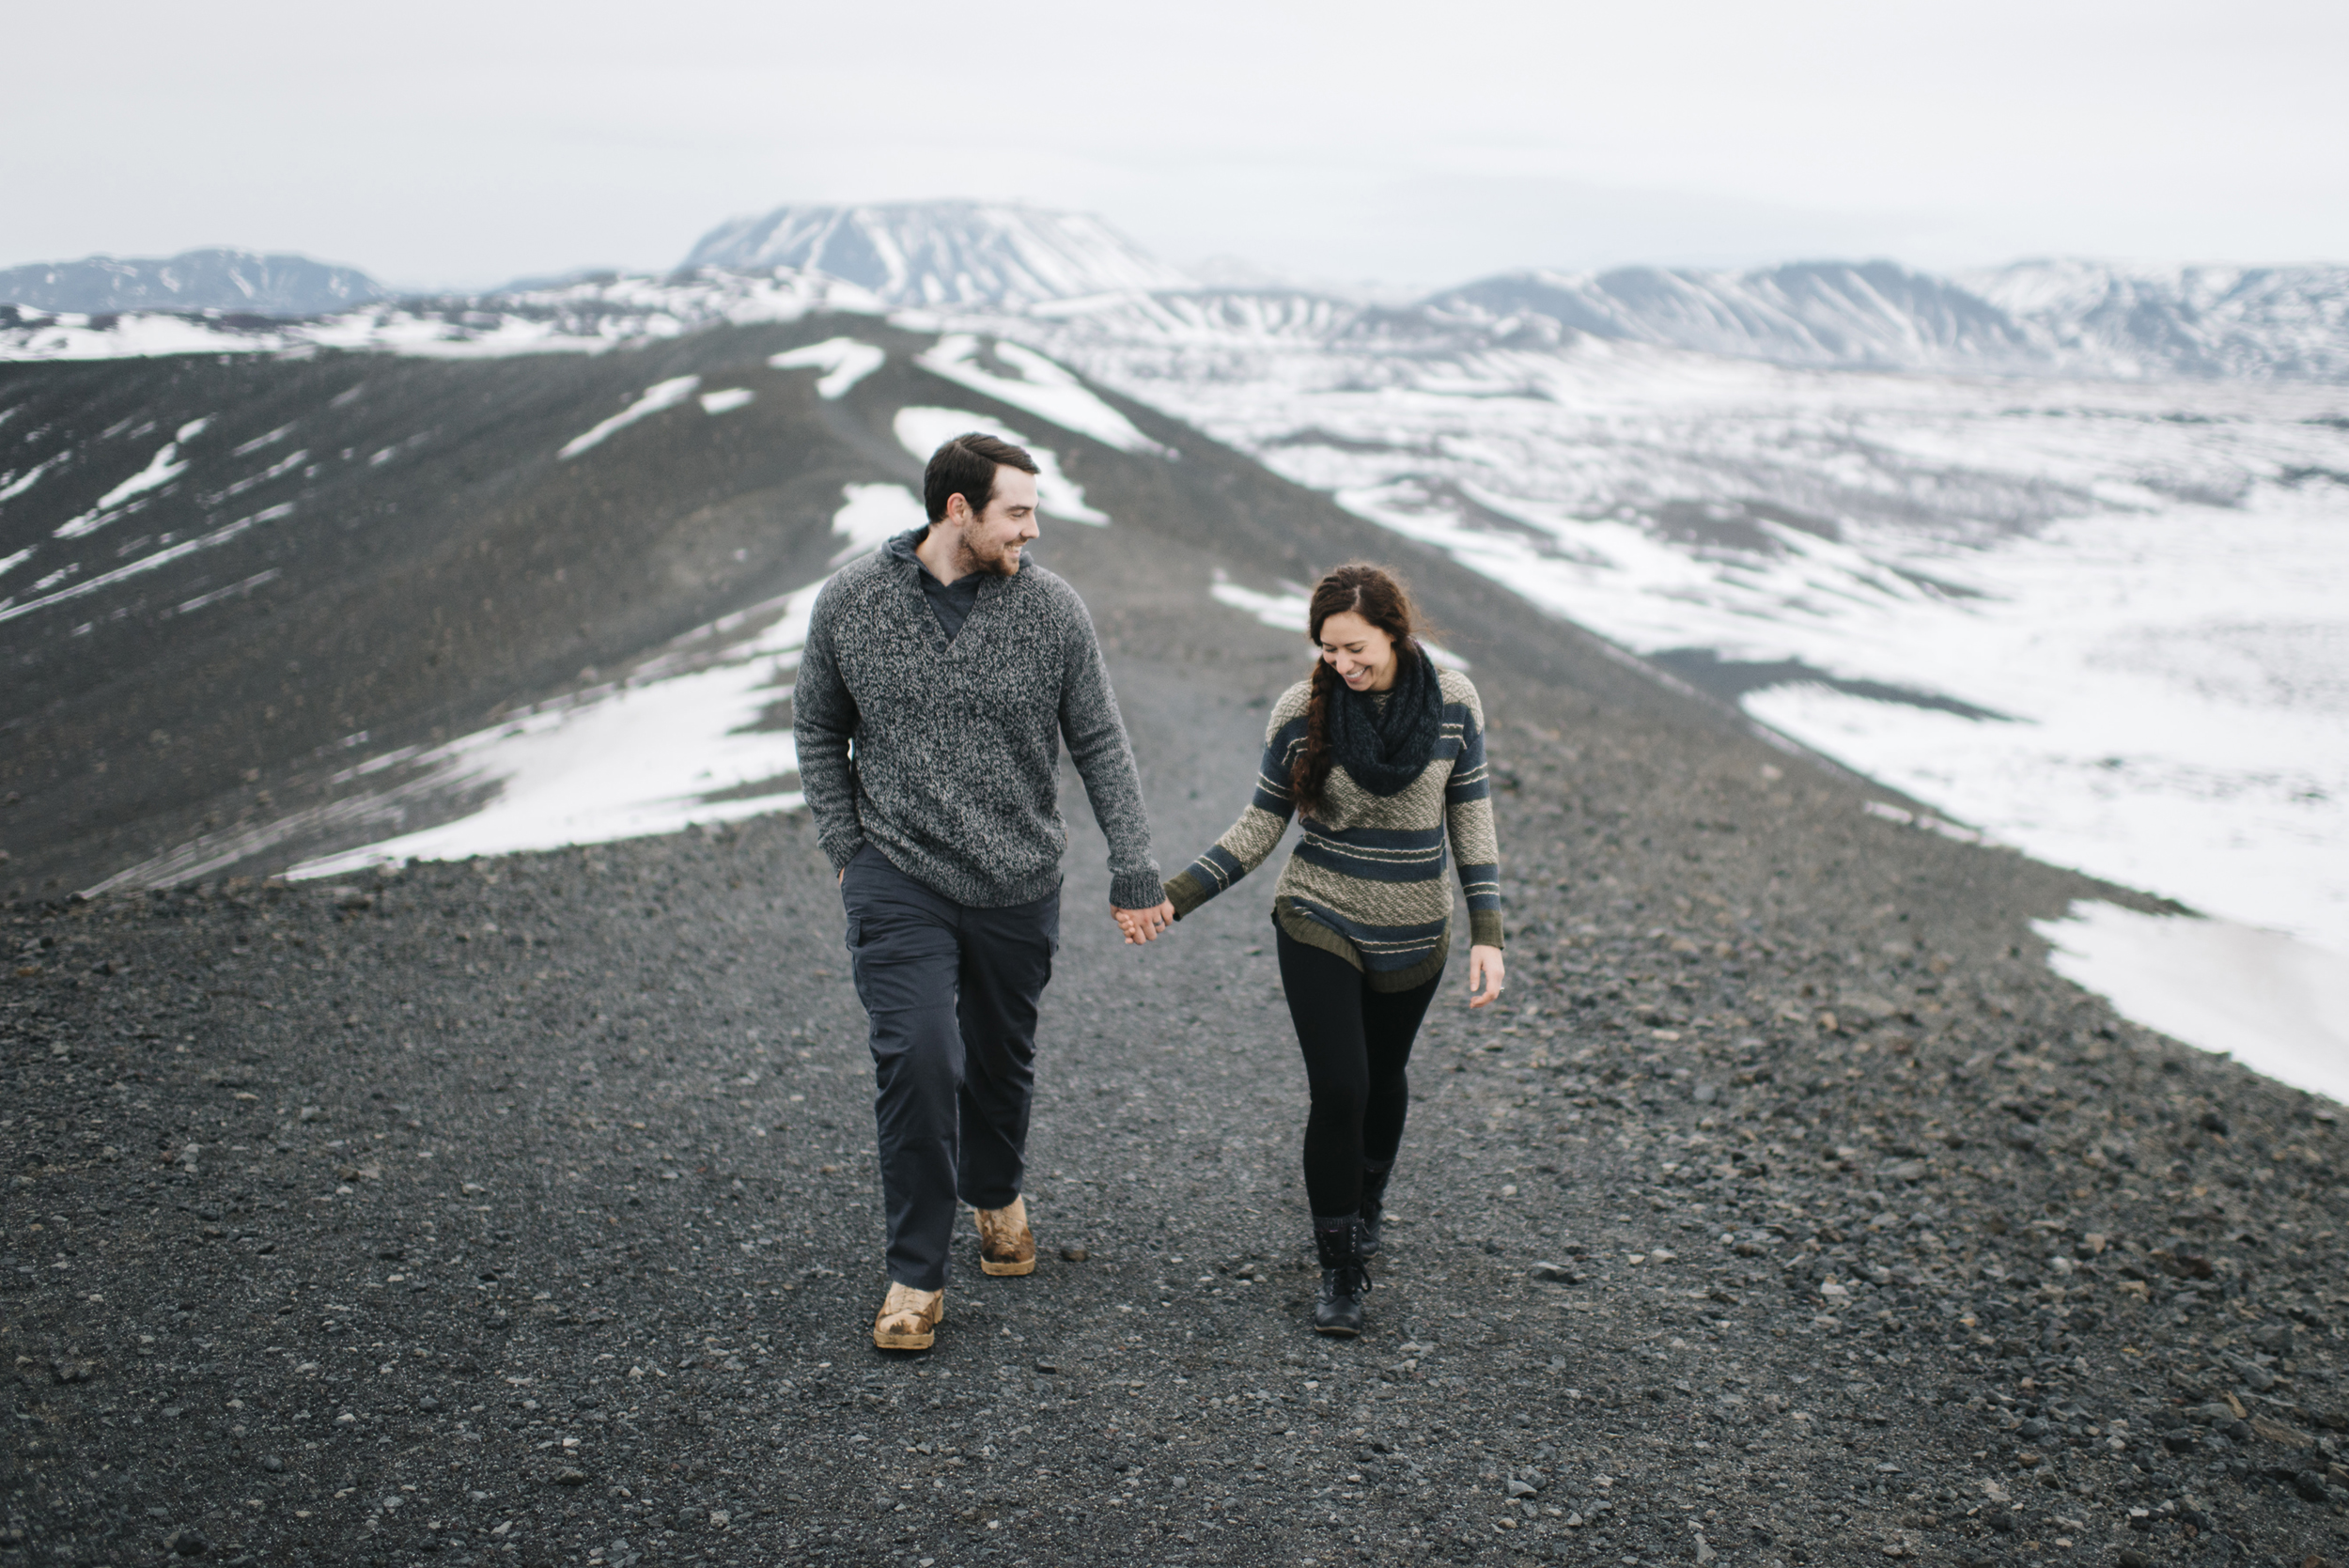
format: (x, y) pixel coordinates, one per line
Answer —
(1004, 563)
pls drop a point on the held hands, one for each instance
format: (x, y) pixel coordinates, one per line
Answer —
(1485, 971)
(1139, 926)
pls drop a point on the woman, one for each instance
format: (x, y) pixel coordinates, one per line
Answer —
(1384, 753)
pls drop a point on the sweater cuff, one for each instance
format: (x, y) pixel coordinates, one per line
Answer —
(1485, 928)
(841, 851)
(1184, 891)
(1137, 890)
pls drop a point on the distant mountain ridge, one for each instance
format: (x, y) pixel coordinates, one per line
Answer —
(2096, 320)
(1871, 315)
(2282, 323)
(1026, 272)
(943, 253)
(245, 282)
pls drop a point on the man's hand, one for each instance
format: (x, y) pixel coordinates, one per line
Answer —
(1139, 926)
(1485, 975)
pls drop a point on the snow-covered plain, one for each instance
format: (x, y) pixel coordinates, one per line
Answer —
(2105, 622)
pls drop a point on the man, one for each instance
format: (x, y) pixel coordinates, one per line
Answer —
(939, 679)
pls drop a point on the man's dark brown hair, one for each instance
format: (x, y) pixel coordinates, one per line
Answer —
(966, 466)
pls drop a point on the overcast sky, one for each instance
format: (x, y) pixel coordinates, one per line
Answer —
(443, 144)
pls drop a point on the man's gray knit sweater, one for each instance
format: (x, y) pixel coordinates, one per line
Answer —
(945, 756)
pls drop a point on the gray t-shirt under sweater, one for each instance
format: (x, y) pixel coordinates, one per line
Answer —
(951, 602)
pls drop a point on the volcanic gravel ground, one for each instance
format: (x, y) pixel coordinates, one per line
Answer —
(1786, 1211)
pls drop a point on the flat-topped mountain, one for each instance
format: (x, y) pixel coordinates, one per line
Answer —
(943, 253)
(241, 282)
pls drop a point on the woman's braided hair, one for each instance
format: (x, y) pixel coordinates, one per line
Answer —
(1379, 597)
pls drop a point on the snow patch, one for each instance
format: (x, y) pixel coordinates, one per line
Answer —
(662, 394)
(1040, 386)
(246, 449)
(162, 468)
(875, 514)
(733, 397)
(18, 484)
(212, 541)
(253, 481)
(845, 362)
(690, 737)
(234, 590)
(2277, 1006)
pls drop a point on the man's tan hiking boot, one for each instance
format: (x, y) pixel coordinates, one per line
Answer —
(907, 1318)
(1006, 1246)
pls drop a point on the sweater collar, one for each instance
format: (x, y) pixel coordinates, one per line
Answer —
(899, 552)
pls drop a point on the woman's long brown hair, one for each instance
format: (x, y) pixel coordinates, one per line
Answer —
(1378, 596)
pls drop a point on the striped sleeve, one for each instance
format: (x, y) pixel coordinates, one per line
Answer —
(1468, 803)
(1257, 833)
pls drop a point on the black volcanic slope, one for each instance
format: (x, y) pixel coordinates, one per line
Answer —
(437, 564)
(522, 1210)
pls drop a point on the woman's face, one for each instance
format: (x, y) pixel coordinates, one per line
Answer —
(1362, 655)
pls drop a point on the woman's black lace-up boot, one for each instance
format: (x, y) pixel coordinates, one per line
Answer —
(1345, 1275)
(1373, 1204)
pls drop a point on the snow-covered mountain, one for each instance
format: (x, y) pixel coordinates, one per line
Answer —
(941, 252)
(2262, 323)
(1874, 315)
(225, 280)
(2073, 320)
(1008, 265)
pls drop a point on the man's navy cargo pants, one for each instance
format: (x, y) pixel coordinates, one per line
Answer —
(951, 991)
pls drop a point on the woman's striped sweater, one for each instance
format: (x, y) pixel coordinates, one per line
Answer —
(1366, 880)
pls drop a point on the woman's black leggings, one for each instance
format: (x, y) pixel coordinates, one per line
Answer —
(1357, 1043)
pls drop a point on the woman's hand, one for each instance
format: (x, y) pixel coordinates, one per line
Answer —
(1141, 926)
(1485, 973)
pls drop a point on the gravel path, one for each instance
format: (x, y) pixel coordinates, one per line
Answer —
(1789, 1211)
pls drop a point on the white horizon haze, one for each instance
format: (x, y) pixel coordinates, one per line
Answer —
(466, 146)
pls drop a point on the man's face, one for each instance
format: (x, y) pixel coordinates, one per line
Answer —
(993, 540)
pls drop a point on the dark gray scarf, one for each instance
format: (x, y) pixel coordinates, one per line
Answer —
(1384, 746)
